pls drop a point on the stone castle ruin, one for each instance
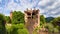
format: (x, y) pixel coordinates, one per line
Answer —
(32, 19)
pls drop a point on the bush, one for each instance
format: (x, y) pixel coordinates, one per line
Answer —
(51, 28)
(2, 24)
(17, 29)
(23, 31)
(56, 30)
(9, 29)
(35, 31)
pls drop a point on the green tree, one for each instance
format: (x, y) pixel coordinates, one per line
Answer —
(8, 20)
(56, 22)
(18, 17)
(2, 24)
(23, 31)
(42, 18)
(18, 29)
(51, 27)
(48, 19)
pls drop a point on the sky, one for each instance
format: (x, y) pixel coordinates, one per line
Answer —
(48, 8)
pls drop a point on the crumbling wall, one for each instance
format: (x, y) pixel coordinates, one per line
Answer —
(32, 19)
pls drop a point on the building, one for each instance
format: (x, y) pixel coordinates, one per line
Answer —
(11, 15)
(32, 19)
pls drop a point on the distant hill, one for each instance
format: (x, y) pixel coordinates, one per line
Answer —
(48, 19)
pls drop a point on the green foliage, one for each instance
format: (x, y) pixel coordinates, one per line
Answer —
(48, 19)
(8, 20)
(2, 19)
(56, 21)
(42, 19)
(51, 25)
(41, 24)
(56, 30)
(17, 29)
(23, 31)
(18, 17)
(2, 24)
(35, 31)
(51, 28)
(8, 29)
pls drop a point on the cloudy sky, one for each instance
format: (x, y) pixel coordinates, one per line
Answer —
(49, 8)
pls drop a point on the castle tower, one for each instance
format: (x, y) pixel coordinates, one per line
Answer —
(11, 15)
(32, 19)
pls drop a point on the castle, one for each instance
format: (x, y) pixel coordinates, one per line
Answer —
(32, 19)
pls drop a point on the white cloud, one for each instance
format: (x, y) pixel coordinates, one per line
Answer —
(21, 6)
(50, 10)
(56, 15)
(47, 7)
(54, 5)
(44, 2)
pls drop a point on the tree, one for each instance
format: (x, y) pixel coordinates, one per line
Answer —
(56, 21)
(23, 31)
(42, 19)
(18, 29)
(48, 19)
(18, 17)
(51, 28)
(2, 24)
(8, 20)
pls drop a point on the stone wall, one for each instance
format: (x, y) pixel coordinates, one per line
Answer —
(32, 19)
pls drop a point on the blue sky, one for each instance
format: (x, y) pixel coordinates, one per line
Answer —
(49, 8)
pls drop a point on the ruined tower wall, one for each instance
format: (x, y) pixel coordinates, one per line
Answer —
(11, 15)
(32, 20)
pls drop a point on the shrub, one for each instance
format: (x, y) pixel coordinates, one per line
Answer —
(56, 30)
(2, 24)
(51, 28)
(17, 29)
(23, 31)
